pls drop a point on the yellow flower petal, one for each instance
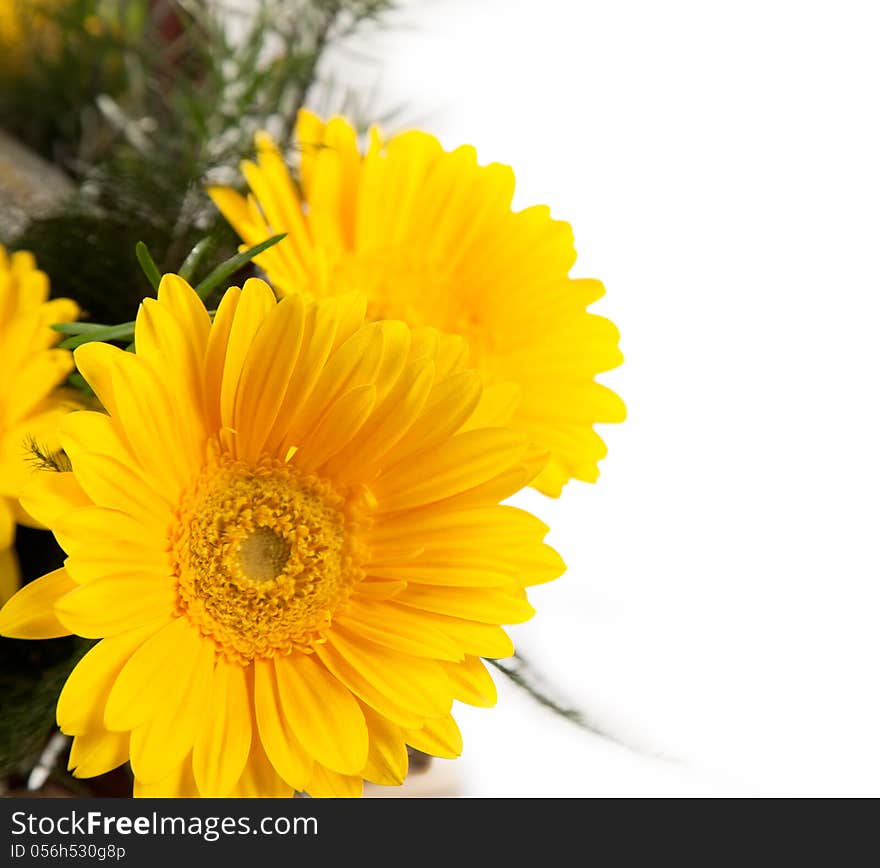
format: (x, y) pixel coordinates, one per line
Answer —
(7, 524)
(502, 486)
(472, 637)
(271, 165)
(117, 603)
(337, 428)
(34, 381)
(259, 779)
(32, 371)
(215, 355)
(166, 736)
(320, 329)
(498, 403)
(388, 761)
(53, 495)
(362, 456)
(282, 747)
(225, 732)
(143, 684)
(267, 369)
(451, 403)
(461, 463)
(471, 682)
(390, 626)
(327, 784)
(10, 575)
(478, 604)
(178, 784)
(30, 613)
(364, 689)
(173, 358)
(490, 527)
(187, 309)
(440, 737)
(114, 557)
(254, 306)
(114, 485)
(96, 362)
(96, 753)
(373, 590)
(84, 695)
(411, 682)
(354, 364)
(462, 568)
(85, 529)
(319, 709)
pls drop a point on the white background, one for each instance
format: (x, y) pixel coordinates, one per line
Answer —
(720, 164)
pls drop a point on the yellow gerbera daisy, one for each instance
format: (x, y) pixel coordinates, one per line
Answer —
(30, 403)
(287, 533)
(430, 236)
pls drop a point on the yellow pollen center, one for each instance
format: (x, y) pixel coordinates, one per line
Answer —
(421, 290)
(264, 556)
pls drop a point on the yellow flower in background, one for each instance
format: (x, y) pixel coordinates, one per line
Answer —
(31, 405)
(287, 535)
(430, 236)
(26, 31)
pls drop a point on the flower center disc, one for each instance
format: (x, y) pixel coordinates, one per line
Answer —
(263, 554)
(420, 290)
(264, 557)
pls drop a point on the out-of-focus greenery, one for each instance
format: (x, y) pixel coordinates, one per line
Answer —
(140, 101)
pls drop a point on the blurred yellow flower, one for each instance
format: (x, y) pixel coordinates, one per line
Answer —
(26, 30)
(31, 405)
(430, 236)
(287, 535)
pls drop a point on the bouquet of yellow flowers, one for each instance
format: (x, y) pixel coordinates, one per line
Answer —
(280, 506)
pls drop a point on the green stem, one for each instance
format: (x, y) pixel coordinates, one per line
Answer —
(523, 676)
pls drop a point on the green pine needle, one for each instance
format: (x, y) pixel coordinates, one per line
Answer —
(523, 675)
(142, 252)
(44, 458)
(123, 331)
(228, 268)
(195, 257)
(85, 332)
(78, 328)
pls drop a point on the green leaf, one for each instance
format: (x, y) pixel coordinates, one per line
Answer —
(78, 328)
(195, 256)
(228, 268)
(77, 381)
(119, 332)
(147, 265)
